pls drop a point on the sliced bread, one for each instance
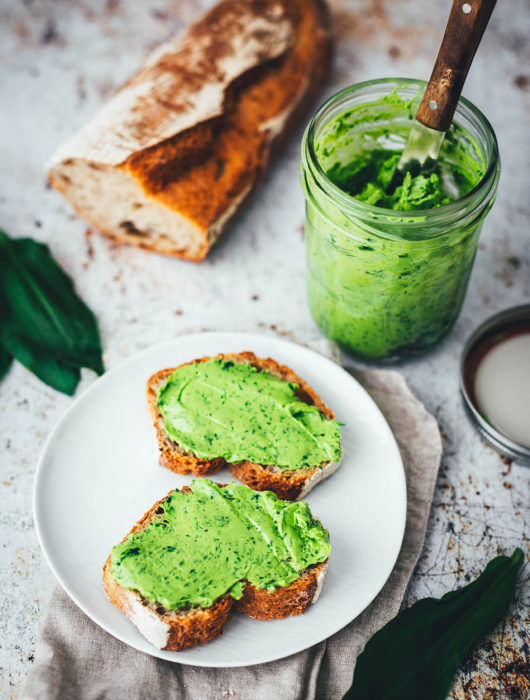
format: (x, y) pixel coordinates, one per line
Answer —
(177, 629)
(287, 484)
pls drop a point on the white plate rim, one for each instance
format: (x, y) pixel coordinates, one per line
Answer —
(246, 339)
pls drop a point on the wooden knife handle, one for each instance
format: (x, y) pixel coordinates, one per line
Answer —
(466, 25)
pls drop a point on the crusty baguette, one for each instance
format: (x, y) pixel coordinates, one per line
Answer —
(175, 630)
(168, 162)
(289, 485)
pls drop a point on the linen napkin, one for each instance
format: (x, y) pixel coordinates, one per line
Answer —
(77, 660)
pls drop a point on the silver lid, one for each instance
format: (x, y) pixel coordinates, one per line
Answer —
(494, 330)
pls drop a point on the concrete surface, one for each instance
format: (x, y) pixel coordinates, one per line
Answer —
(59, 60)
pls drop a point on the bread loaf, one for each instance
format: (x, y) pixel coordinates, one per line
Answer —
(169, 161)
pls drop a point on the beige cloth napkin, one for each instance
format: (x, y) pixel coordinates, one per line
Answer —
(77, 660)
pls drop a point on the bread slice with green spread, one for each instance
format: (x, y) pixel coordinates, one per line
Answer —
(202, 550)
(253, 415)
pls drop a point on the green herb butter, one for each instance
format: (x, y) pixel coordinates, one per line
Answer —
(228, 409)
(377, 181)
(361, 148)
(382, 280)
(212, 540)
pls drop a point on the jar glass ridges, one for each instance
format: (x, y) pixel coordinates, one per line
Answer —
(386, 284)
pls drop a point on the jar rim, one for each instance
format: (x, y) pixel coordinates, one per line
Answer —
(445, 212)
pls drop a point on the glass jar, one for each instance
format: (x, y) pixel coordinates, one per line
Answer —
(388, 284)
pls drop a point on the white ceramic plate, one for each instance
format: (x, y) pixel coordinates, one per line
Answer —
(99, 472)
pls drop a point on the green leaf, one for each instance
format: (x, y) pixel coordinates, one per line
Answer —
(43, 323)
(417, 653)
(5, 362)
(59, 376)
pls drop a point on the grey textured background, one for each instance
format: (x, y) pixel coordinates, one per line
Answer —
(59, 60)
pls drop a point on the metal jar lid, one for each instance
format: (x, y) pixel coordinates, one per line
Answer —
(494, 330)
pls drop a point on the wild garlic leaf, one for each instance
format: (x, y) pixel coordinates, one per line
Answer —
(59, 376)
(5, 362)
(43, 323)
(417, 653)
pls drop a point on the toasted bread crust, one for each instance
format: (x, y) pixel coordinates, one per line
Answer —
(197, 626)
(180, 629)
(184, 164)
(286, 484)
(283, 602)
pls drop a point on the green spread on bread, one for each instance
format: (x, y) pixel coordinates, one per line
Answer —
(222, 408)
(211, 540)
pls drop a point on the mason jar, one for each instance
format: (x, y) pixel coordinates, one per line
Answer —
(388, 284)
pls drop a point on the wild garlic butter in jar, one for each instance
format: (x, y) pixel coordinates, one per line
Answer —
(389, 255)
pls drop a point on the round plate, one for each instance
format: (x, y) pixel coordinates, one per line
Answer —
(99, 472)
